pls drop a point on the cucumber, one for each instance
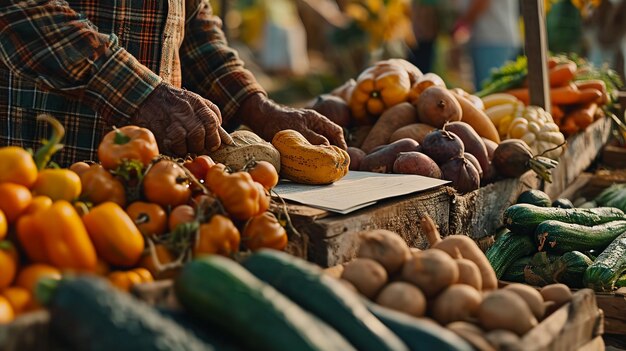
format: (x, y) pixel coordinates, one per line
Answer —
(524, 218)
(608, 266)
(325, 297)
(90, 314)
(542, 269)
(221, 292)
(515, 271)
(419, 334)
(561, 237)
(534, 197)
(562, 203)
(507, 249)
(573, 265)
(621, 281)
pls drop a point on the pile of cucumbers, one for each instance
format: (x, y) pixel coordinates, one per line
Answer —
(552, 242)
(271, 301)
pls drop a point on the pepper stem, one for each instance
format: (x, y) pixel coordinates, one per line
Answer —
(120, 138)
(45, 289)
(43, 155)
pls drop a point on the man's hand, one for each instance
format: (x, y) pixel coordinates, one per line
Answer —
(267, 118)
(182, 122)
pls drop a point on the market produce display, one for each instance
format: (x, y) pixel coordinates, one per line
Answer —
(555, 242)
(135, 217)
(400, 120)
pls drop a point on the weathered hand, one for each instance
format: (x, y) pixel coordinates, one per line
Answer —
(182, 122)
(266, 118)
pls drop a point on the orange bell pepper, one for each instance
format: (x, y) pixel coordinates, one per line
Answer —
(218, 236)
(127, 143)
(114, 234)
(65, 238)
(99, 185)
(17, 166)
(8, 263)
(239, 194)
(58, 184)
(264, 231)
(14, 199)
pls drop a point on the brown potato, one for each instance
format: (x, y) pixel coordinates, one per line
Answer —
(432, 271)
(560, 294)
(504, 309)
(385, 247)
(436, 106)
(469, 273)
(403, 297)
(458, 302)
(532, 297)
(367, 276)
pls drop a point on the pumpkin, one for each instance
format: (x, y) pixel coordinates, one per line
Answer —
(305, 163)
(248, 146)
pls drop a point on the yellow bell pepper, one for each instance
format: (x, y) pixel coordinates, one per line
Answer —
(58, 184)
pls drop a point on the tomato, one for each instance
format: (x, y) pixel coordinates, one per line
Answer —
(181, 214)
(15, 198)
(17, 166)
(127, 143)
(79, 167)
(30, 275)
(99, 185)
(239, 194)
(218, 236)
(265, 173)
(6, 311)
(58, 184)
(8, 263)
(199, 166)
(264, 231)
(19, 298)
(150, 218)
(166, 184)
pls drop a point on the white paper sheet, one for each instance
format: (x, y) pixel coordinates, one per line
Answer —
(356, 190)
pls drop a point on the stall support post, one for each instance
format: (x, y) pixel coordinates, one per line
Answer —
(536, 49)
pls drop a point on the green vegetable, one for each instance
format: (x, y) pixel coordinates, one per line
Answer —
(621, 281)
(507, 249)
(556, 236)
(515, 271)
(90, 314)
(613, 196)
(511, 75)
(608, 267)
(562, 203)
(326, 297)
(524, 218)
(542, 269)
(534, 197)
(221, 292)
(573, 265)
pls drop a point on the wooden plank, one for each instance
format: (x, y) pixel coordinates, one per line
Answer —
(479, 214)
(597, 344)
(614, 156)
(30, 331)
(536, 49)
(581, 151)
(334, 239)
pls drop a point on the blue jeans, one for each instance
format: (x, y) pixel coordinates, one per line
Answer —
(487, 57)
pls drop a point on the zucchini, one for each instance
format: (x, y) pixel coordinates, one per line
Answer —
(507, 249)
(621, 281)
(524, 218)
(325, 297)
(561, 237)
(542, 269)
(573, 265)
(515, 271)
(534, 197)
(90, 314)
(562, 203)
(417, 333)
(221, 292)
(608, 266)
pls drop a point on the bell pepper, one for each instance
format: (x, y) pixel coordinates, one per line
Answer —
(65, 237)
(218, 236)
(114, 235)
(58, 184)
(166, 184)
(29, 233)
(377, 88)
(8, 263)
(239, 194)
(536, 128)
(127, 143)
(264, 231)
(17, 166)
(14, 199)
(125, 280)
(30, 275)
(99, 185)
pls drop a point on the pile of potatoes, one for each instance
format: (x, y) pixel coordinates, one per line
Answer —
(451, 283)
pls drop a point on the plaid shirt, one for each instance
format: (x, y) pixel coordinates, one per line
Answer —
(91, 63)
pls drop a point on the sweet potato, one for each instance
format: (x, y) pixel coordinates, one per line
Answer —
(437, 105)
(415, 131)
(382, 160)
(356, 156)
(357, 134)
(391, 120)
(425, 81)
(477, 119)
(413, 162)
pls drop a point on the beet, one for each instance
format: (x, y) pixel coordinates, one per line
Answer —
(513, 157)
(441, 146)
(383, 159)
(474, 162)
(416, 163)
(462, 173)
(472, 142)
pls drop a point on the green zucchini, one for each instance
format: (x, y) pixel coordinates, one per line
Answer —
(325, 297)
(507, 249)
(419, 334)
(562, 203)
(515, 271)
(524, 218)
(223, 293)
(542, 269)
(534, 197)
(621, 281)
(573, 265)
(561, 237)
(608, 266)
(90, 314)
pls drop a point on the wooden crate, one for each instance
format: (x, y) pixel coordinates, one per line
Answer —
(614, 156)
(329, 239)
(479, 214)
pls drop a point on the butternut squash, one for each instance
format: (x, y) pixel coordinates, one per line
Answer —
(305, 163)
(477, 119)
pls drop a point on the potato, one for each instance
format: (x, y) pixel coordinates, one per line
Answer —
(436, 106)
(458, 302)
(413, 162)
(504, 309)
(356, 156)
(385, 247)
(560, 294)
(415, 131)
(432, 271)
(469, 273)
(381, 161)
(367, 276)
(472, 334)
(403, 297)
(532, 297)
(503, 339)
